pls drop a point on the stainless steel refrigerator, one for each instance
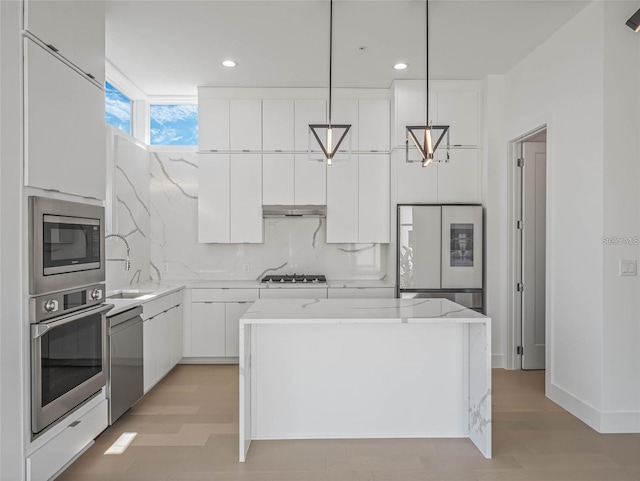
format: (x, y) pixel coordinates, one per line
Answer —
(440, 253)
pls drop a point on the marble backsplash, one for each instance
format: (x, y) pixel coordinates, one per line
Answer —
(130, 207)
(291, 245)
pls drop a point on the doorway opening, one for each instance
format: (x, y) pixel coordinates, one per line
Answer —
(527, 259)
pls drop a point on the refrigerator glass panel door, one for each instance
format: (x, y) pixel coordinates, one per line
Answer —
(462, 247)
(419, 247)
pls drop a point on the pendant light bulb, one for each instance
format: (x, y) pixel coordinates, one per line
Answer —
(329, 145)
(428, 141)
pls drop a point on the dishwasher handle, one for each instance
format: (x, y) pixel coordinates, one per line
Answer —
(124, 316)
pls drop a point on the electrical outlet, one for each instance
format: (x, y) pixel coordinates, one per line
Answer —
(165, 267)
(628, 268)
(246, 268)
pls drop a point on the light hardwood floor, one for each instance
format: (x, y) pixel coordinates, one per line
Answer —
(188, 430)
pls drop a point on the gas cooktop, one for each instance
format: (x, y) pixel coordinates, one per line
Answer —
(294, 279)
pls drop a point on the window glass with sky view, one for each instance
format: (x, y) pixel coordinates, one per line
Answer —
(117, 108)
(174, 124)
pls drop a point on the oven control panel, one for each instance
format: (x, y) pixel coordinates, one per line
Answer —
(57, 304)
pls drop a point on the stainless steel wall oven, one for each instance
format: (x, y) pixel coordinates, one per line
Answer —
(68, 352)
(66, 244)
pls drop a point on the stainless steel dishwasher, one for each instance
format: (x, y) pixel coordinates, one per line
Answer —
(124, 382)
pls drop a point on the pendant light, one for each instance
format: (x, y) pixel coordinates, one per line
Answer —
(423, 135)
(333, 134)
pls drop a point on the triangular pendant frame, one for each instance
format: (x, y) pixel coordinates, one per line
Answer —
(327, 154)
(411, 133)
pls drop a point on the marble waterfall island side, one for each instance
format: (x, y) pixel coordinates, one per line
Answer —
(364, 368)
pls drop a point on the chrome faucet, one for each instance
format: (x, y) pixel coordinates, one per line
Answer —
(127, 261)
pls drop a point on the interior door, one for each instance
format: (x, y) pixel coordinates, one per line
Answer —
(533, 254)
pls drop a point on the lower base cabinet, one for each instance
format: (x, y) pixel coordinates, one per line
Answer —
(362, 292)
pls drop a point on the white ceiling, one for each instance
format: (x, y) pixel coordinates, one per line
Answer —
(172, 47)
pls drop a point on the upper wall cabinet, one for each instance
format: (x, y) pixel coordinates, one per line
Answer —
(345, 111)
(64, 127)
(76, 30)
(373, 125)
(453, 103)
(229, 124)
(277, 125)
(308, 112)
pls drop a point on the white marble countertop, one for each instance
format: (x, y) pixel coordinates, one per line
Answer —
(148, 292)
(288, 311)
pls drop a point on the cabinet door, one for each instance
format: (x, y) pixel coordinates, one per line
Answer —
(310, 181)
(458, 179)
(246, 198)
(277, 125)
(373, 125)
(150, 371)
(64, 127)
(208, 329)
(245, 129)
(459, 110)
(213, 123)
(308, 112)
(234, 310)
(177, 333)
(214, 198)
(415, 184)
(75, 29)
(345, 111)
(163, 322)
(278, 179)
(373, 199)
(410, 108)
(342, 201)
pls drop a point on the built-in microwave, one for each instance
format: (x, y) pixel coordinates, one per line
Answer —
(66, 244)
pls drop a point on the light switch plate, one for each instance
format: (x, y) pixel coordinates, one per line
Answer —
(628, 267)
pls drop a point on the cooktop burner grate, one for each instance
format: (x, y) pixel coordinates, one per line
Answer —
(294, 279)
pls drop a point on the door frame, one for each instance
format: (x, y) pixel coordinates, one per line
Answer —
(514, 204)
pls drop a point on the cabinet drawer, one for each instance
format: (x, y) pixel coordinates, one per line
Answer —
(224, 295)
(293, 293)
(177, 298)
(156, 306)
(51, 457)
(362, 293)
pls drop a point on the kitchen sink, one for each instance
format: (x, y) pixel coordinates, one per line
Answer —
(130, 294)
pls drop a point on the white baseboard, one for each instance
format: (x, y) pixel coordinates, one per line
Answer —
(209, 360)
(497, 361)
(603, 422)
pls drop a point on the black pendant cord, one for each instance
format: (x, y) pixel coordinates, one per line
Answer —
(330, 54)
(427, 59)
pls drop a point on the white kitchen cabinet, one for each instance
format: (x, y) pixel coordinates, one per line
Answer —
(214, 198)
(362, 293)
(458, 179)
(246, 199)
(177, 333)
(213, 122)
(415, 184)
(345, 111)
(75, 29)
(373, 125)
(342, 201)
(278, 179)
(310, 180)
(293, 293)
(64, 127)
(150, 353)
(459, 110)
(278, 125)
(233, 312)
(208, 327)
(245, 124)
(164, 342)
(373, 199)
(307, 112)
(358, 200)
(410, 105)
(230, 198)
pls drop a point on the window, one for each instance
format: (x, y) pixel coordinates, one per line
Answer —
(117, 111)
(174, 124)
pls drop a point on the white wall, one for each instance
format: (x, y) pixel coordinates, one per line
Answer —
(494, 190)
(12, 326)
(577, 83)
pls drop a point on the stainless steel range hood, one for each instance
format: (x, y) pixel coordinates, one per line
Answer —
(269, 211)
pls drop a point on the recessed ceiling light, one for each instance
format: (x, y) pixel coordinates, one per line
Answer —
(229, 63)
(400, 66)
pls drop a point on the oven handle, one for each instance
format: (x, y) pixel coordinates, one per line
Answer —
(38, 330)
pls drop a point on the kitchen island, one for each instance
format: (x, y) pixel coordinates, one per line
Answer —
(364, 368)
